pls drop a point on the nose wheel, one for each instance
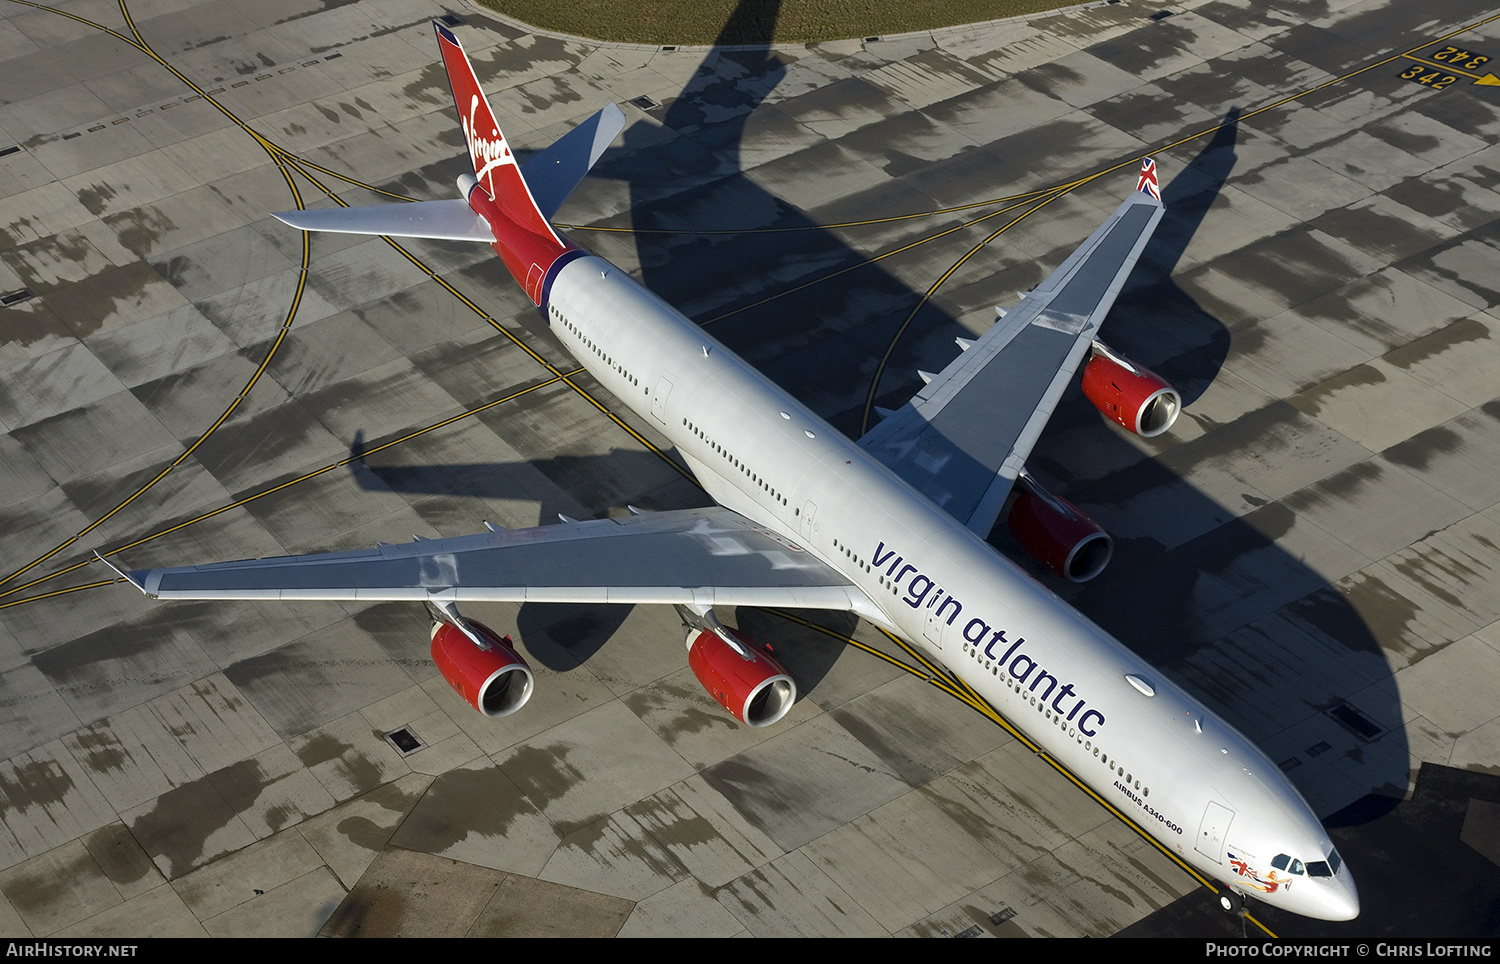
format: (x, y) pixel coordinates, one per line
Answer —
(1230, 902)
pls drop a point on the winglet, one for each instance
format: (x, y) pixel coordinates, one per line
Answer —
(1147, 184)
(128, 577)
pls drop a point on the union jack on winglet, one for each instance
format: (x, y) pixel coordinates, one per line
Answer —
(1147, 183)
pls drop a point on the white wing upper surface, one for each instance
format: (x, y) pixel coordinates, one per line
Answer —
(963, 439)
(706, 556)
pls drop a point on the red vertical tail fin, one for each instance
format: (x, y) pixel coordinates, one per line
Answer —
(524, 239)
(495, 166)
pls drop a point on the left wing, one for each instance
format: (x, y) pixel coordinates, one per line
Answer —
(964, 438)
(702, 557)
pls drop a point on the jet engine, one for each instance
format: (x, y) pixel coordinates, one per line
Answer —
(495, 680)
(1130, 395)
(1057, 533)
(741, 676)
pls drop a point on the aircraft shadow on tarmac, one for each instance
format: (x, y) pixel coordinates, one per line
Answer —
(1168, 603)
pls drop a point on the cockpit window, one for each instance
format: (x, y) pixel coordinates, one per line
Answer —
(1287, 863)
(1318, 868)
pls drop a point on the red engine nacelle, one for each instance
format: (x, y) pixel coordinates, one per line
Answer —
(496, 682)
(1060, 536)
(751, 685)
(1140, 400)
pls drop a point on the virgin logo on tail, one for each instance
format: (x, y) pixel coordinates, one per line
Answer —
(486, 153)
(487, 147)
(1147, 183)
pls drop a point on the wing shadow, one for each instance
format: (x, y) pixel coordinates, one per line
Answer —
(823, 343)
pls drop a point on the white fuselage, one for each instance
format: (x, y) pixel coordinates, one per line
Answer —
(1188, 779)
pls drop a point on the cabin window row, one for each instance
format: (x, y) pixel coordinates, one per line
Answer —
(1043, 708)
(744, 469)
(588, 343)
(853, 556)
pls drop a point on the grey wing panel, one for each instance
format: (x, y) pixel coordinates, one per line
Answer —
(705, 556)
(963, 439)
(450, 220)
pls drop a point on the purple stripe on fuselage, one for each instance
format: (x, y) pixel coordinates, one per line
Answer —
(567, 257)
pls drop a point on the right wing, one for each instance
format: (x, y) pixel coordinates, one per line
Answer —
(700, 557)
(964, 438)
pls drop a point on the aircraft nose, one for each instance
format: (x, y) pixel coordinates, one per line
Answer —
(1342, 901)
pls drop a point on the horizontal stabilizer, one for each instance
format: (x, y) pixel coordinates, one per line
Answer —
(440, 220)
(555, 172)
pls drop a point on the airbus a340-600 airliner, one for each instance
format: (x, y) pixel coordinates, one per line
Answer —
(891, 527)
